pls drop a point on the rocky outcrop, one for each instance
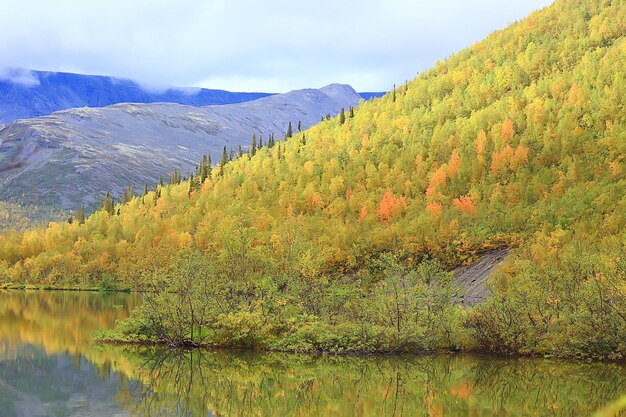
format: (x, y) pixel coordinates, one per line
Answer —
(472, 279)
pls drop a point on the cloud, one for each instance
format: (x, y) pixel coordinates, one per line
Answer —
(274, 45)
(19, 76)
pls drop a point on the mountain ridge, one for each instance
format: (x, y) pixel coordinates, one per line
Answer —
(73, 156)
(26, 93)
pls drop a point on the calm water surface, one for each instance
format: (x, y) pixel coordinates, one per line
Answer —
(49, 367)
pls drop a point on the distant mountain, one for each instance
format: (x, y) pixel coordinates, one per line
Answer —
(370, 95)
(25, 94)
(73, 156)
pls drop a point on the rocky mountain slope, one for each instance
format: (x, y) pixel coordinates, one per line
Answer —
(74, 156)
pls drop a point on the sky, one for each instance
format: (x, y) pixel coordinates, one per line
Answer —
(246, 45)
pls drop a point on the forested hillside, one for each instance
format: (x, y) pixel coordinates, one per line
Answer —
(518, 141)
(73, 157)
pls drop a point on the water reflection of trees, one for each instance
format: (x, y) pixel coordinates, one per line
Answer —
(58, 321)
(199, 383)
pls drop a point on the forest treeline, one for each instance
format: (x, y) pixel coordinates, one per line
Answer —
(518, 141)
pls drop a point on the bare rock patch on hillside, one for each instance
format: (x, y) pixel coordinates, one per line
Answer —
(472, 279)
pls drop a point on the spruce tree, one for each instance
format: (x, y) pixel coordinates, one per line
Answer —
(128, 195)
(253, 145)
(80, 214)
(342, 116)
(109, 204)
(351, 112)
(289, 131)
(299, 126)
(223, 161)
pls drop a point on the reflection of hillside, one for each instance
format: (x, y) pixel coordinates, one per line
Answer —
(59, 322)
(49, 367)
(244, 384)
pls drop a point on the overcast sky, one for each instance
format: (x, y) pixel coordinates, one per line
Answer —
(248, 45)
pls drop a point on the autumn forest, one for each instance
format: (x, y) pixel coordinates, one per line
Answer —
(342, 237)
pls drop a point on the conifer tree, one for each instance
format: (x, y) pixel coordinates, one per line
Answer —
(191, 186)
(351, 112)
(299, 126)
(342, 116)
(80, 214)
(176, 177)
(128, 194)
(223, 160)
(109, 204)
(289, 131)
(157, 194)
(253, 145)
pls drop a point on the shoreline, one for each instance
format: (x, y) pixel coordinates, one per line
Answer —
(217, 347)
(357, 354)
(52, 287)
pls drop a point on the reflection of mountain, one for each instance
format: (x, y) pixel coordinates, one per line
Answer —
(37, 385)
(48, 367)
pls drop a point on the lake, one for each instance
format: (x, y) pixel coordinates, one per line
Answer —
(50, 367)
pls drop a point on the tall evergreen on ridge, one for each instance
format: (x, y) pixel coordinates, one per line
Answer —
(80, 215)
(223, 160)
(252, 151)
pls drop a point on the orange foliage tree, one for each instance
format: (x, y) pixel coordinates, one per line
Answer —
(465, 204)
(507, 131)
(390, 206)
